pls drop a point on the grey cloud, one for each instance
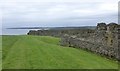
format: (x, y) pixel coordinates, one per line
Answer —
(56, 13)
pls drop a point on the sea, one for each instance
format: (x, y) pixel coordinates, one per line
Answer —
(15, 31)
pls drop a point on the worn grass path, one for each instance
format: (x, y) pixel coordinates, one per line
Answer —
(44, 52)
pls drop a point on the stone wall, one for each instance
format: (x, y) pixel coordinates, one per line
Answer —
(103, 41)
(60, 33)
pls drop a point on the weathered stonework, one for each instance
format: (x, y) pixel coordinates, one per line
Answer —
(103, 41)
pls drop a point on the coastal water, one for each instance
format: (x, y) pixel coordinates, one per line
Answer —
(15, 31)
(24, 31)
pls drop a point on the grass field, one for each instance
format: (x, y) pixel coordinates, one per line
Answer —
(0, 53)
(44, 52)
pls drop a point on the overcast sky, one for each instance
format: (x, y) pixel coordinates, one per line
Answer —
(22, 13)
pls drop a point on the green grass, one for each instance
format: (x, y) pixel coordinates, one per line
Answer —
(44, 52)
(0, 52)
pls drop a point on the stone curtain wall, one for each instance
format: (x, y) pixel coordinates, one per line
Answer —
(119, 43)
(56, 33)
(103, 40)
(60, 33)
(87, 45)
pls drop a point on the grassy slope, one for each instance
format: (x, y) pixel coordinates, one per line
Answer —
(39, 52)
(0, 52)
